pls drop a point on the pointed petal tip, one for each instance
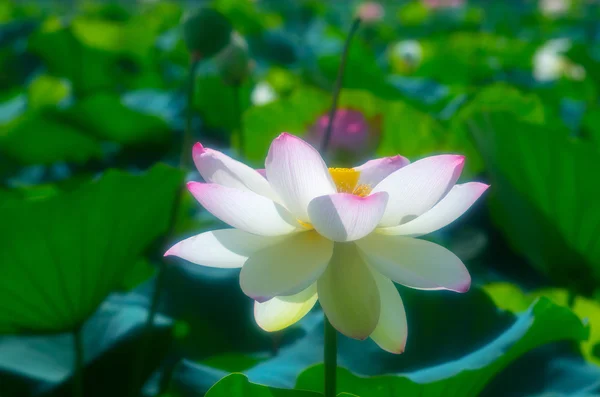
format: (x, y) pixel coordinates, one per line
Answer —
(398, 159)
(168, 253)
(198, 149)
(461, 289)
(191, 186)
(284, 135)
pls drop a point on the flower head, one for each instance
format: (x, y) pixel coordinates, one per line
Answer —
(352, 135)
(433, 4)
(370, 12)
(303, 232)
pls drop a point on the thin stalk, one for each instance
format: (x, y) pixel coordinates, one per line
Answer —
(330, 359)
(184, 163)
(237, 93)
(78, 362)
(187, 134)
(338, 85)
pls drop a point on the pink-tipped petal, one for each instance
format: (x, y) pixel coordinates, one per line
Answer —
(227, 248)
(348, 293)
(216, 167)
(345, 217)
(297, 173)
(417, 187)
(392, 330)
(243, 209)
(286, 268)
(415, 263)
(374, 171)
(450, 208)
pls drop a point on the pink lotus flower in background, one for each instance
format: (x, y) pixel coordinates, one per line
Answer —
(303, 232)
(352, 135)
(443, 3)
(370, 12)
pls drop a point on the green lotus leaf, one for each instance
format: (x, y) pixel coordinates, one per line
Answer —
(63, 255)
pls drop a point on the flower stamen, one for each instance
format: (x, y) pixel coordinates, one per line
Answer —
(345, 179)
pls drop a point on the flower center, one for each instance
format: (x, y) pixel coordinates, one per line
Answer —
(346, 181)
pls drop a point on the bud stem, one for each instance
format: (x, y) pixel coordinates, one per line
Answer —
(338, 85)
(330, 359)
(187, 134)
(237, 93)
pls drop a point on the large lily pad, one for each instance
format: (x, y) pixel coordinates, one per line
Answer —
(544, 322)
(543, 196)
(238, 385)
(510, 297)
(36, 364)
(62, 256)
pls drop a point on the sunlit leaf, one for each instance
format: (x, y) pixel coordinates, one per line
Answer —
(510, 297)
(47, 91)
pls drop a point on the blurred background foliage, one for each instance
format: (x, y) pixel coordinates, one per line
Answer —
(92, 114)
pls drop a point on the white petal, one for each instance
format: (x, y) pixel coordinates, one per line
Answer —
(297, 173)
(346, 217)
(286, 268)
(216, 167)
(415, 263)
(283, 311)
(417, 187)
(391, 331)
(244, 209)
(348, 293)
(227, 248)
(374, 171)
(450, 208)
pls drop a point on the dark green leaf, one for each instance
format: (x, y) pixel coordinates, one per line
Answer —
(238, 385)
(542, 195)
(62, 256)
(39, 138)
(109, 119)
(543, 323)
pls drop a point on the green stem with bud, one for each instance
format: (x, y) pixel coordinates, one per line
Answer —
(338, 84)
(330, 347)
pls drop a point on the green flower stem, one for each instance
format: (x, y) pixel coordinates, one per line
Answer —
(330, 347)
(184, 160)
(330, 359)
(184, 163)
(237, 101)
(338, 85)
(78, 362)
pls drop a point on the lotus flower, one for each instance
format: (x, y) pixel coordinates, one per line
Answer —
(303, 232)
(352, 134)
(433, 4)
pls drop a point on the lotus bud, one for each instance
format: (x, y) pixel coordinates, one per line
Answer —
(233, 62)
(205, 31)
